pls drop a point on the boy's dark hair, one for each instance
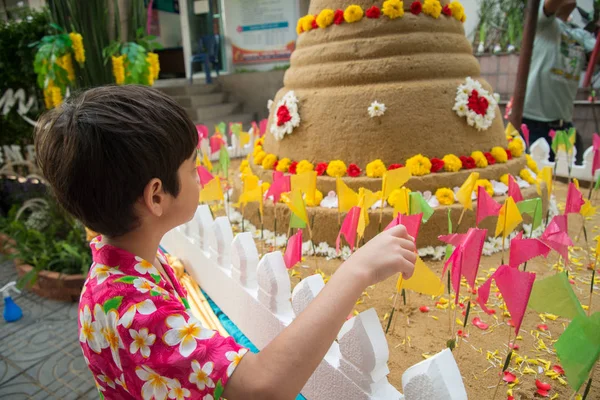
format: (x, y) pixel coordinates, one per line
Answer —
(99, 149)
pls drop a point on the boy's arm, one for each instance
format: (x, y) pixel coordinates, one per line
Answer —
(552, 6)
(285, 365)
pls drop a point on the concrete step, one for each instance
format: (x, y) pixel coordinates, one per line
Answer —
(187, 89)
(217, 111)
(201, 100)
(244, 118)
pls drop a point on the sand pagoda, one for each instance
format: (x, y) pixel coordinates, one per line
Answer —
(390, 81)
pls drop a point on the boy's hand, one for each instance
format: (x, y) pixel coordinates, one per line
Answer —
(388, 253)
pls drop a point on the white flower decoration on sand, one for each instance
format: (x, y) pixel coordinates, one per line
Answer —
(286, 116)
(476, 104)
(376, 109)
(269, 104)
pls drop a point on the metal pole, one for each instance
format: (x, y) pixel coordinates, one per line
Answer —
(531, 18)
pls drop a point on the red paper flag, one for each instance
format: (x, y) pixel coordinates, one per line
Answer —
(523, 250)
(216, 142)
(596, 147)
(204, 175)
(556, 236)
(513, 189)
(486, 205)
(263, 126)
(202, 132)
(281, 184)
(574, 200)
(293, 251)
(412, 223)
(349, 228)
(525, 132)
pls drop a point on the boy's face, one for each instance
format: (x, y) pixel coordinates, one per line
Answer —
(185, 204)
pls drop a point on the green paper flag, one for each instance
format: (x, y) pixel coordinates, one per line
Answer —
(597, 186)
(533, 208)
(297, 222)
(236, 128)
(449, 246)
(224, 161)
(221, 128)
(555, 295)
(563, 140)
(419, 205)
(578, 348)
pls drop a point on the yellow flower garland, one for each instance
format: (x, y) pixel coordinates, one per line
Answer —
(325, 18)
(531, 164)
(504, 179)
(458, 11)
(516, 147)
(269, 161)
(487, 185)
(317, 200)
(304, 166)
(353, 13)
(77, 45)
(376, 169)
(243, 165)
(66, 63)
(307, 21)
(499, 154)
(445, 196)
(118, 64)
(432, 8)
(393, 9)
(283, 165)
(258, 159)
(419, 165)
(525, 174)
(336, 168)
(396, 196)
(452, 163)
(480, 160)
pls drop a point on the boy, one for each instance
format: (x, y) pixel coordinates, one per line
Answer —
(122, 160)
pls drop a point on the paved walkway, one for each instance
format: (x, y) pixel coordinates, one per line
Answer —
(40, 357)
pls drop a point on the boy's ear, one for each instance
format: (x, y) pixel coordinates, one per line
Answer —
(154, 197)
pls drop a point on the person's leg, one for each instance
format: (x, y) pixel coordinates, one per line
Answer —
(539, 130)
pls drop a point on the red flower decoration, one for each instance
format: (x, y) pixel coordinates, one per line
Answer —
(478, 104)
(314, 23)
(292, 168)
(510, 323)
(514, 346)
(490, 158)
(338, 16)
(283, 115)
(373, 12)
(416, 7)
(467, 162)
(424, 309)
(509, 377)
(447, 11)
(275, 165)
(542, 388)
(542, 327)
(436, 164)
(461, 333)
(558, 369)
(321, 168)
(480, 324)
(395, 166)
(353, 170)
(508, 154)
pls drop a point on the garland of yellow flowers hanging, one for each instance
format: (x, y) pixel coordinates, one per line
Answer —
(134, 62)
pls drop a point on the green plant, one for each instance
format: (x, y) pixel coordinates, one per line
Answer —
(500, 25)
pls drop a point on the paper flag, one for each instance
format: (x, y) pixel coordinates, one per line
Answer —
(224, 161)
(244, 138)
(423, 280)
(556, 236)
(204, 175)
(574, 200)
(202, 133)
(347, 198)
(297, 206)
(470, 246)
(255, 129)
(370, 198)
(250, 182)
(296, 222)
(293, 251)
(281, 184)
(587, 210)
(508, 219)
(412, 223)
(545, 176)
(523, 250)
(206, 162)
(525, 131)
(563, 141)
(216, 142)
(596, 150)
(349, 228)
(418, 205)
(363, 219)
(466, 191)
(263, 126)
(306, 182)
(511, 130)
(393, 180)
(486, 205)
(402, 206)
(513, 189)
(555, 295)
(212, 191)
(533, 208)
(254, 195)
(598, 249)
(220, 128)
(578, 348)
(235, 128)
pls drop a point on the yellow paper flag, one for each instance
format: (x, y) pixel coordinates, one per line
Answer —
(402, 205)
(363, 219)
(587, 210)
(545, 175)
(207, 163)
(511, 131)
(598, 249)
(250, 182)
(306, 182)
(423, 281)
(254, 195)
(296, 203)
(212, 191)
(466, 191)
(347, 198)
(393, 180)
(244, 138)
(509, 218)
(370, 197)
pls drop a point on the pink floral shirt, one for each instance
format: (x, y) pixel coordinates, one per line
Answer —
(138, 338)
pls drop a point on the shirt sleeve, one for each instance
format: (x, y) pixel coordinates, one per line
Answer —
(169, 352)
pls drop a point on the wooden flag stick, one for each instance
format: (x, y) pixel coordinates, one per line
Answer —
(589, 311)
(506, 362)
(462, 214)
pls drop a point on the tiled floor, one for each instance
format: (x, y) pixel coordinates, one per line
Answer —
(40, 357)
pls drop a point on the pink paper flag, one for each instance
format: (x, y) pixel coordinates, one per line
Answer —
(523, 250)
(596, 146)
(293, 251)
(515, 287)
(255, 129)
(470, 247)
(263, 126)
(349, 228)
(204, 174)
(486, 205)
(412, 223)
(281, 184)
(574, 200)
(556, 236)
(525, 132)
(456, 261)
(513, 189)
(202, 132)
(216, 142)
(483, 294)
(552, 133)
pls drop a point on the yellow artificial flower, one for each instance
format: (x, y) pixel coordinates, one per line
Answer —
(259, 142)
(304, 166)
(307, 21)
(419, 165)
(317, 200)
(118, 64)
(504, 179)
(393, 9)
(353, 13)
(531, 164)
(452, 163)
(516, 147)
(445, 196)
(244, 164)
(376, 169)
(499, 154)
(283, 165)
(480, 160)
(336, 168)
(396, 196)
(487, 185)
(269, 161)
(153, 67)
(458, 11)
(257, 149)
(432, 8)
(325, 18)
(77, 45)
(525, 174)
(66, 63)
(258, 159)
